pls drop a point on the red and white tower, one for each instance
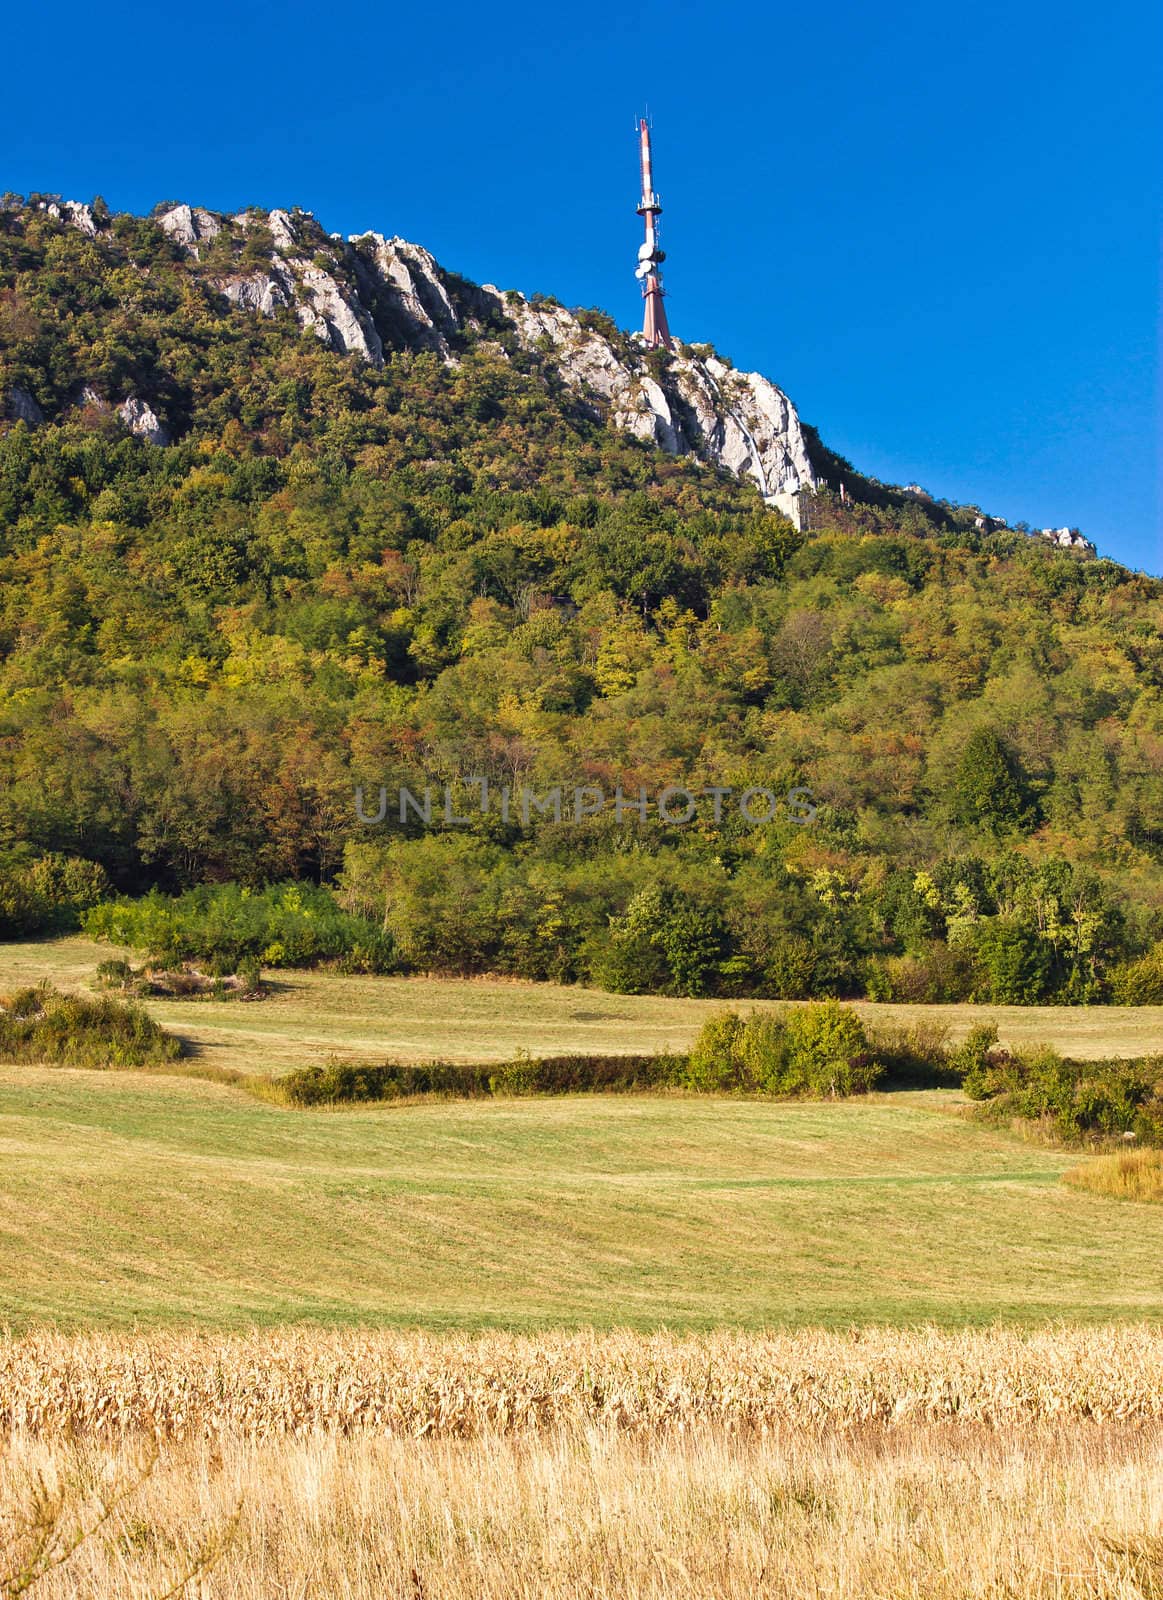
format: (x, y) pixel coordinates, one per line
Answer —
(650, 255)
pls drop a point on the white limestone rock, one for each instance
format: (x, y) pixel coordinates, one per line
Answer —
(142, 420)
(189, 226)
(407, 278)
(283, 230)
(769, 429)
(322, 304)
(327, 309)
(74, 212)
(81, 217)
(1066, 539)
(257, 291)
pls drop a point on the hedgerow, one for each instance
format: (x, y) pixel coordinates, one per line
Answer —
(226, 926)
(1077, 1100)
(342, 1082)
(814, 1051)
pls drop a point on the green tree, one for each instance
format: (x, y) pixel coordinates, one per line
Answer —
(990, 790)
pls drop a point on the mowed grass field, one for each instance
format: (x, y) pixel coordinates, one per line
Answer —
(135, 1199)
(315, 1014)
(132, 1199)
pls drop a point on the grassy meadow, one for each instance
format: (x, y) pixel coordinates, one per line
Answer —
(151, 1199)
(313, 1014)
(136, 1199)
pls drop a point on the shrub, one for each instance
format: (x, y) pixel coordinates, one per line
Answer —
(43, 1026)
(811, 1050)
(69, 884)
(974, 1060)
(1139, 983)
(1077, 1099)
(715, 1060)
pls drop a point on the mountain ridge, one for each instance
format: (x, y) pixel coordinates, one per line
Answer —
(367, 293)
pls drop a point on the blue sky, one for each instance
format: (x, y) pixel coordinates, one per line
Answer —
(937, 229)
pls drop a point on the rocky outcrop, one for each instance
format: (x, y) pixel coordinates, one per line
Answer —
(1067, 539)
(258, 291)
(189, 226)
(137, 415)
(23, 408)
(407, 282)
(74, 212)
(323, 304)
(371, 292)
(328, 310)
(142, 420)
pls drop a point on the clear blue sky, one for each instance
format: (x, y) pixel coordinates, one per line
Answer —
(937, 228)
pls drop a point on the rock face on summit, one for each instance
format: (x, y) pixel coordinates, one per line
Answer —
(369, 293)
(694, 404)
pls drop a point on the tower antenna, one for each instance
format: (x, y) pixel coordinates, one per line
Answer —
(655, 331)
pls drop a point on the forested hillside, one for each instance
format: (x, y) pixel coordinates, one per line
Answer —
(445, 567)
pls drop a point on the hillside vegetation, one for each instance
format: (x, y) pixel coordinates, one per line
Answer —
(432, 572)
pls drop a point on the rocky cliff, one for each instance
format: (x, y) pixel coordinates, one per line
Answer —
(367, 294)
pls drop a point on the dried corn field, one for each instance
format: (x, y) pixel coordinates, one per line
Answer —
(886, 1463)
(414, 1384)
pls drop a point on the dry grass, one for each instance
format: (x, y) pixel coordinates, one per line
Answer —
(1125, 1174)
(312, 1014)
(414, 1385)
(917, 1513)
(904, 1466)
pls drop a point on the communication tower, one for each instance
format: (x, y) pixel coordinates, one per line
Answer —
(655, 331)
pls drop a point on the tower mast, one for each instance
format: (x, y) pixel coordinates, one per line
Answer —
(655, 331)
